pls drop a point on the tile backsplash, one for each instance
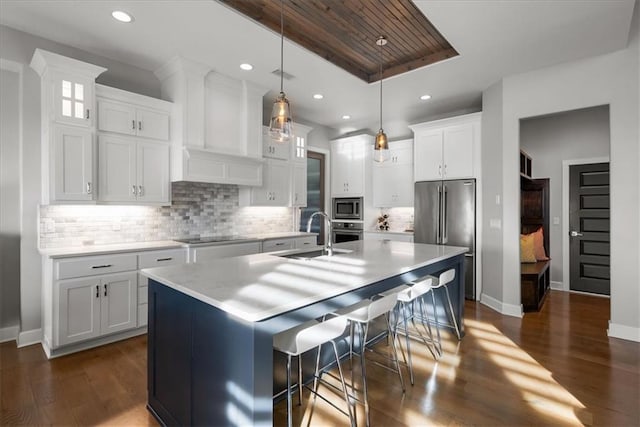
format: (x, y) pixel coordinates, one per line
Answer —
(400, 219)
(196, 209)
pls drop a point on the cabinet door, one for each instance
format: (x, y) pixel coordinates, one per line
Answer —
(458, 151)
(208, 253)
(339, 167)
(152, 124)
(117, 165)
(347, 169)
(277, 245)
(78, 308)
(382, 177)
(403, 192)
(299, 182)
(401, 152)
(72, 164)
(116, 117)
(152, 172)
(273, 149)
(73, 99)
(280, 182)
(119, 302)
(428, 155)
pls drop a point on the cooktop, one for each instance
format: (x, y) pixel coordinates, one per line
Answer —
(210, 239)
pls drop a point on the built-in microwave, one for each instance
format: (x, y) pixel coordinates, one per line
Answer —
(347, 208)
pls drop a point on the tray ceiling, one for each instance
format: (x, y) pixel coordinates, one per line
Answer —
(344, 32)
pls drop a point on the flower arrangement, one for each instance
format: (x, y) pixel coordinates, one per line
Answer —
(383, 222)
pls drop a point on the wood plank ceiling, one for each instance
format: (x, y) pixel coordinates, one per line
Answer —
(344, 32)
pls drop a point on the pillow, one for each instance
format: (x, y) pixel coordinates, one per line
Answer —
(527, 251)
(538, 245)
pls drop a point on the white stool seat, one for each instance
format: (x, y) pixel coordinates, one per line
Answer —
(309, 335)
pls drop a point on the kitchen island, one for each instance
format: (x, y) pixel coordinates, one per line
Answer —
(211, 326)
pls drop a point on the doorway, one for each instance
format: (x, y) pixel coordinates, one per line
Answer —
(589, 225)
(315, 194)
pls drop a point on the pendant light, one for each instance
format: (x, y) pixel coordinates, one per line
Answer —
(280, 126)
(381, 145)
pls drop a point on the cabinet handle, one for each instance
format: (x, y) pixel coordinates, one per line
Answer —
(105, 290)
(279, 244)
(133, 124)
(133, 190)
(102, 266)
(97, 291)
(164, 259)
(88, 188)
(88, 115)
(140, 190)
(439, 170)
(140, 125)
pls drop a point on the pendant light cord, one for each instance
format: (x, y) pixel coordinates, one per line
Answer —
(281, 44)
(380, 71)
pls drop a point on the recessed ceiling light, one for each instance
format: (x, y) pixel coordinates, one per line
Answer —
(346, 117)
(246, 67)
(121, 16)
(318, 96)
(425, 97)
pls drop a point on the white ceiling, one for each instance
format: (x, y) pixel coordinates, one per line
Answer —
(494, 39)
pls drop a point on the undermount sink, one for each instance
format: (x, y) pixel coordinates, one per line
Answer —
(316, 253)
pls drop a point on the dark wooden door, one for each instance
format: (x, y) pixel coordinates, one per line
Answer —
(589, 228)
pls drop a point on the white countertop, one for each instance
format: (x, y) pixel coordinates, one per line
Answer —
(256, 287)
(158, 244)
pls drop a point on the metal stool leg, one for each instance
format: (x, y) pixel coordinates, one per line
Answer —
(289, 420)
(406, 336)
(435, 316)
(453, 316)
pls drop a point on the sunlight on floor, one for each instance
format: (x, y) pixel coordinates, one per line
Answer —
(536, 383)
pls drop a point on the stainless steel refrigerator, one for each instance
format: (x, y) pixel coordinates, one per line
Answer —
(445, 214)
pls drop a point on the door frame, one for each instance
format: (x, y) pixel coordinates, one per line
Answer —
(565, 284)
(327, 177)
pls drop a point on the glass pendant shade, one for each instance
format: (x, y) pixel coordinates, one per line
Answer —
(381, 147)
(280, 126)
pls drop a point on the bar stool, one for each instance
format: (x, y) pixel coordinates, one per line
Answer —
(443, 281)
(302, 338)
(408, 297)
(361, 315)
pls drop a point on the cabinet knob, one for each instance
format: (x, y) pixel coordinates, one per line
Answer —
(88, 116)
(105, 290)
(133, 124)
(89, 188)
(140, 190)
(97, 291)
(140, 125)
(133, 190)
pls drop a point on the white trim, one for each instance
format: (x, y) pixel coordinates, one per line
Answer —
(10, 333)
(31, 337)
(557, 286)
(84, 345)
(624, 332)
(502, 308)
(590, 294)
(566, 279)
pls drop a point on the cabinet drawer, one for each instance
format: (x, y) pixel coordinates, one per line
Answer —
(91, 266)
(143, 293)
(306, 242)
(142, 314)
(208, 253)
(162, 258)
(277, 245)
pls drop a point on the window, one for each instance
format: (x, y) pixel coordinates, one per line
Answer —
(72, 99)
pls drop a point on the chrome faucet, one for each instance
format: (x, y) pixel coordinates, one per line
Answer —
(328, 246)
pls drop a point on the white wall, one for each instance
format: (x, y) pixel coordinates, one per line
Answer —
(580, 134)
(10, 80)
(612, 80)
(19, 47)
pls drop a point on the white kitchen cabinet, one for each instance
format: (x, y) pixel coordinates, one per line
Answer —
(447, 149)
(305, 242)
(299, 184)
(149, 259)
(133, 171)
(278, 244)
(130, 119)
(205, 253)
(275, 189)
(72, 172)
(95, 306)
(393, 179)
(348, 157)
(67, 109)
(273, 149)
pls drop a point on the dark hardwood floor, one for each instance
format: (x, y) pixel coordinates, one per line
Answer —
(554, 367)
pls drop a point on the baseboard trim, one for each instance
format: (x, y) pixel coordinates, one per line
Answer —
(31, 337)
(624, 332)
(557, 286)
(73, 348)
(502, 308)
(10, 333)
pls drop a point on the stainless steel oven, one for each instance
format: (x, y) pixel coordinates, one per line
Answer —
(347, 208)
(344, 231)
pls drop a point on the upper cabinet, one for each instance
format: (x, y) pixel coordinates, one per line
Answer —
(68, 127)
(273, 149)
(218, 136)
(129, 119)
(348, 161)
(393, 179)
(447, 149)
